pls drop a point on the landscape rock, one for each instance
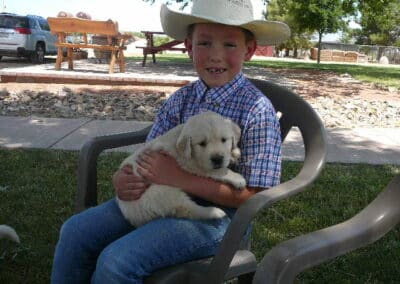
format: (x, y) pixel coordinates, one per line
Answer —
(335, 111)
(340, 100)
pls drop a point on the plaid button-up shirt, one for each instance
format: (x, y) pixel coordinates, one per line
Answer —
(243, 103)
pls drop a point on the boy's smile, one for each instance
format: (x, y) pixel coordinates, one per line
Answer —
(218, 52)
(216, 70)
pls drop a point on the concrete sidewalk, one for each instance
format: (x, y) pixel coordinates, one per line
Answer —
(358, 145)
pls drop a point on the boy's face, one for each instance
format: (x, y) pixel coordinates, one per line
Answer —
(218, 52)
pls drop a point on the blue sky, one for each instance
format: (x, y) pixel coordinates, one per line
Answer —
(132, 15)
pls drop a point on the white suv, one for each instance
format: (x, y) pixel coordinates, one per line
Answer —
(26, 36)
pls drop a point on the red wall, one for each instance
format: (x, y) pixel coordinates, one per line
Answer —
(265, 51)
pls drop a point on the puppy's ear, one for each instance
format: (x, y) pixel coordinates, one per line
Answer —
(184, 147)
(235, 140)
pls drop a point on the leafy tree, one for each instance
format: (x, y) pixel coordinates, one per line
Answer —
(379, 21)
(278, 10)
(186, 2)
(321, 16)
(183, 2)
(159, 40)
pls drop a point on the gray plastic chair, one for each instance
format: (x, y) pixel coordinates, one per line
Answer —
(233, 257)
(285, 261)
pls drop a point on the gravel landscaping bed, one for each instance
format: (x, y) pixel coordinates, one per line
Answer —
(341, 101)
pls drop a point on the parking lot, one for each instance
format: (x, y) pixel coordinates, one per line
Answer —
(13, 62)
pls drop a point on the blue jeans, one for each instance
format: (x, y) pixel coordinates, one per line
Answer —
(100, 246)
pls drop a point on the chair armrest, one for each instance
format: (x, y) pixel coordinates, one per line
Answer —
(87, 163)
(242, 219)
(314, 162)
(283, 262)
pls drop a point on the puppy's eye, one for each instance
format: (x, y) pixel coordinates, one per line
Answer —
(223, 139)
(203, 143)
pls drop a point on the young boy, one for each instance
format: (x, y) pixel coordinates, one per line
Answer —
(99, 244)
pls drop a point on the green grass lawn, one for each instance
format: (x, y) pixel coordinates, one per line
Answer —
(37, 189)
(387, 76)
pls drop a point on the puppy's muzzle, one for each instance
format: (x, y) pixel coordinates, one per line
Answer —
(217, 161)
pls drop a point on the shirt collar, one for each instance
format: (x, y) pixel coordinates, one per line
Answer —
(220, 94)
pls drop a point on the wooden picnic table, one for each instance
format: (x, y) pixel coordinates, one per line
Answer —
(150, 48)
(114, 41)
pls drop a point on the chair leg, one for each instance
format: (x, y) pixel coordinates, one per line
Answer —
(246, 278)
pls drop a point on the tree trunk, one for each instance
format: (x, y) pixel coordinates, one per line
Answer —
(380, 52)
(319, 46)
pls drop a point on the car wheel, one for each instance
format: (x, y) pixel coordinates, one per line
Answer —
(38, 55)
(1, 57)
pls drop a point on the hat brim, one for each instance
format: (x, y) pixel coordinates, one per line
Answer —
(175, 25)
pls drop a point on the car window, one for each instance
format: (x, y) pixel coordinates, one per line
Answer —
(2, 22)
(44, 25)
(13, 22)
(22, 22)
(33, 24)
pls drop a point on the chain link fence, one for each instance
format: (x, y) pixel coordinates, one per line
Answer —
(373, 52)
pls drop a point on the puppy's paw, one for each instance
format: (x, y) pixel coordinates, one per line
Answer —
(216, 213)
(238, 182)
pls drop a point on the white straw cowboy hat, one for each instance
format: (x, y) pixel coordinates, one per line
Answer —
(228, 12)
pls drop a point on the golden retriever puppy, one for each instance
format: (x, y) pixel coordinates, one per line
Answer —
(204, 146)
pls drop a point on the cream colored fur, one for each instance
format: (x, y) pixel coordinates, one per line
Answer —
(204, 146)
(8, 233)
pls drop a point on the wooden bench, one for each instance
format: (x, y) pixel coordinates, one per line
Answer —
(151, 49)
(115, 42)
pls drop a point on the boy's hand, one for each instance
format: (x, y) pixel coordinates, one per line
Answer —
(160, 168)
(127, 185)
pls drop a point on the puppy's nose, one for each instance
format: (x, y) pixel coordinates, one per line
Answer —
(217, 161)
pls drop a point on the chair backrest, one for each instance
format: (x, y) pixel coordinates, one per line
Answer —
(296, 112)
